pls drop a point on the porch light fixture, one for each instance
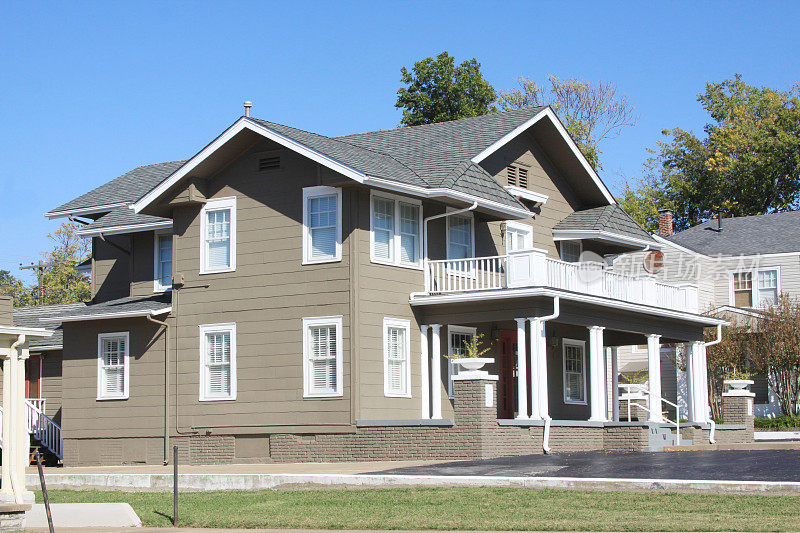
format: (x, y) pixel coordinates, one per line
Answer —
(553, 342)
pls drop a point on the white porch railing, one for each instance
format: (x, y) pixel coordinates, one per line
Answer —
(532, 268)
(41, 426)
(637, 391)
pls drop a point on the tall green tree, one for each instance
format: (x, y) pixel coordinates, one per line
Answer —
(13, 286)
(747, 162)
(592, 112)
(438, 90)
(62, 283)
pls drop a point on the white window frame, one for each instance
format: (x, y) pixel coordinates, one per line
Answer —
(452, 368)
(582, 345)
(157, 286)
(311, 192)
(205, 329)
(217, 204)
(561, 249)
(754, 285)
(403, 324)
(101, 395)
(519, 226)
(396, 236)
(469, 215)
(308, 323)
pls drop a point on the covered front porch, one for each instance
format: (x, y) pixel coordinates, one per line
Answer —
(555, 360)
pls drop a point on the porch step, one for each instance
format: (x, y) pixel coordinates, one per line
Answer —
(664, 437)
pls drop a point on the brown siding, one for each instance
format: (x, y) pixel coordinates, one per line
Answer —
(51, 383)
(142, 283)
(111, 268)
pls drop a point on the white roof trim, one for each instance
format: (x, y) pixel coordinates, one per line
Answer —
(29, 332)
(418, 299)
(48, 348)
(104, 316)
(570, 235)
(238, 126)
(737, 311)
(85, 210)
(525, 194)
(128, 228)
(548, 112)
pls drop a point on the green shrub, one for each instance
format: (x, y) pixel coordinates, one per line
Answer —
(779, 422)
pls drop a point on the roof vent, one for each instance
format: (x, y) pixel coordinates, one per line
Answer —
(247, 105)
(517, 176)
(269, 163)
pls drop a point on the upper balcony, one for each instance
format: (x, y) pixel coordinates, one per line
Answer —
(532, 268)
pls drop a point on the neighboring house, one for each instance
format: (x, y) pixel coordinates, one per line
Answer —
(740, 265)
(286, 296)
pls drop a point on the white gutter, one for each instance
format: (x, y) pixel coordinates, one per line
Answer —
(104, 316)
(547, 418)
(600, 235)
(718, 339)
(442, 215)
(128, 228)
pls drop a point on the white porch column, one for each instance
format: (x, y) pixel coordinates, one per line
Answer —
(5, 488)
(654, 376)
(436, 372)
(16, 441)
(597, 376)
(697, 381)
(539, 369)
(425, 378)
(614, 385)
(522, 371)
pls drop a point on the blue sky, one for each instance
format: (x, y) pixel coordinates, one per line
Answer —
(91, 90)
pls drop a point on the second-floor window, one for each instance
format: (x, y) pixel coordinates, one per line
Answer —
(163, 262)
(518, 236)
(571, 251)
(758, 288)
(460, 237)
(218, 230)
(395, 232)
(322, 224)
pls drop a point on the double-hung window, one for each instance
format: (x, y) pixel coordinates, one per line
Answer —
(396, 358)
(458, 337)
(163, 262)
(571, 251)
(113, 366)
(322, 356)
(756, 288)
(217, 362)
(218, 231)
(395, 235)
(460, 237)
(322, 224)
(574, 372)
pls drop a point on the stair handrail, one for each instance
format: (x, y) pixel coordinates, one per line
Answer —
(45, 429)
(628, 396)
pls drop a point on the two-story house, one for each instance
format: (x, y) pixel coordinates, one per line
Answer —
(740, 265)
(287, 296)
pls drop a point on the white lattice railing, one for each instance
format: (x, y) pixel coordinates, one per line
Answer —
(531, 268)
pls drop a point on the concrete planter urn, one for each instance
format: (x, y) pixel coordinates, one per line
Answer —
(473, 363)
(737, 384)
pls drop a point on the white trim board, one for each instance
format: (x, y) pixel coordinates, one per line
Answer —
(104, 316)
(600, 235)
(526, 194)
(93, 210)
(128, 228)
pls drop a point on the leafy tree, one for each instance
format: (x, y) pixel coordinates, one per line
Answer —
(591, 112)
(439, 90)
(62, 283)
(727, 357)
(748, 162)
(12, 286)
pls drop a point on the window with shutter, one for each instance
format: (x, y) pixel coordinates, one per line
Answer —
(218, 228)
(112, 366)
(217, 362)
(574, 372)
(163, 262)
(396, 357)
(457, 339)
(322, 224)
(322, 354)
(395, 236)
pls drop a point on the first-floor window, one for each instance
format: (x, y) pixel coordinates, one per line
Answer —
(322, 356)
(396, 357)
(217, 362)
(574, 372)
(112, 366)
(458, 337)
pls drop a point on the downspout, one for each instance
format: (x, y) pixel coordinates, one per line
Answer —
(166, 385)
(711, 423)
(12, 419)
(547, 418)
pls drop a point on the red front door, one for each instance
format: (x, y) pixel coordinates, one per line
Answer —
(33, 374)
(507, 392)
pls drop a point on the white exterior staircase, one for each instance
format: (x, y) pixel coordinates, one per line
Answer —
(41, 427)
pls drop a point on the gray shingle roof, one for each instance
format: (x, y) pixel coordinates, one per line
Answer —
(130, 304)
(759, 234)
(610, 218)
(29, 317)
(122, 216)
(127, 188)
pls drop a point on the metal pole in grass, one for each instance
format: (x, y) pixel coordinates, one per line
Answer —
(44, 492)
(174, 485)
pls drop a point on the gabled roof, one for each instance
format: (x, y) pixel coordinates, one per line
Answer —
(123, 220)
(608, 220)
(754, 235)
(131, 306)
(30, 317)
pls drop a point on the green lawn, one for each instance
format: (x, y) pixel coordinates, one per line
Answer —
(459, 508)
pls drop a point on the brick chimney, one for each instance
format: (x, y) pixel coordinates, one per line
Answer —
(665, 222)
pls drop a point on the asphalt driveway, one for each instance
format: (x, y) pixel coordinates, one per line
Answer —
(751, 465)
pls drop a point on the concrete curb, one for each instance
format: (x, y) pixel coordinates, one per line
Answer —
(210, 482)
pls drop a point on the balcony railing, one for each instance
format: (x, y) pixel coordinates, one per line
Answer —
(532, 268)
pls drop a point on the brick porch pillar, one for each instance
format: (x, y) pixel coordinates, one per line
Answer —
(475, 412)
(737, 408)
